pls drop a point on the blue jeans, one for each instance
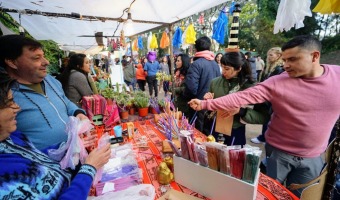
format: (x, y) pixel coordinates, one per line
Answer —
(292, 169)
(132, 83)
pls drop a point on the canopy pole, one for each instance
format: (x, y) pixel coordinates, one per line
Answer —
(171, 49)
(172, 71)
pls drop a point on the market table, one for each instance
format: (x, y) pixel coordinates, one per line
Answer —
(151, 156)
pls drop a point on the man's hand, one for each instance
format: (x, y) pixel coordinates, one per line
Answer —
(99, 157)
(195, 104)
(208, 95)
(81, 116)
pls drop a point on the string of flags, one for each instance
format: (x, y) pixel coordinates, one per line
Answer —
(184, 36)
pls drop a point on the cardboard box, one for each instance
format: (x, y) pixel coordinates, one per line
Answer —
(211, 183)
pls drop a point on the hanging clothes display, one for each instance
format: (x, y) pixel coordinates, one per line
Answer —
(149, 41)
(327, 7)
(184, 44)
(201, 19)
(114, 44)
(291, 13)
(165, 41)
(122, 39)
(118, 44)
(177, 40)
(191, 35)
(232, 8)
(154, 43)
(140, 42)
(219, 27)
(135, 45)
(108, 45)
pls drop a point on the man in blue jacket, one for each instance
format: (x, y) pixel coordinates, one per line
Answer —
(45, 109)
(200, 73)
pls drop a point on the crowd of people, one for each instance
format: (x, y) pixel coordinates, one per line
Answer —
(287, 94)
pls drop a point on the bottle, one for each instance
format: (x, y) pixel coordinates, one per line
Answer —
(130, 130)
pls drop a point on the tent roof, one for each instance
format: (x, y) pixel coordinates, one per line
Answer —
(66, 31)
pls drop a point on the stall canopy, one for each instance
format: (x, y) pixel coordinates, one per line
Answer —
(77, 34)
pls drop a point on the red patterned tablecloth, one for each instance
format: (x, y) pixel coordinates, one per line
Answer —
(150, 157)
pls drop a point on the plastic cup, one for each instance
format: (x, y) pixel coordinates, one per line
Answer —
(118, 130)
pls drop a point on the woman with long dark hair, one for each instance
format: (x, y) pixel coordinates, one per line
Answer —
(182, 64)
(76, 80)
(236, 76)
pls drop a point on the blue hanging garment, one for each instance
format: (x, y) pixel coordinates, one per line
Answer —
(177, 40)
(219, 27)
(232, 8)
(140, 42)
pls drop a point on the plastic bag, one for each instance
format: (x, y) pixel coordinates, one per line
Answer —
(105, 139)
(138, 192)
(191, 35)
(74, 147)
(149, 41)
(135, 45)
(290, 13)
(140, 42)
(165, 41)
(327, 7)
(219, 28)
(177, 39)
(153, 43)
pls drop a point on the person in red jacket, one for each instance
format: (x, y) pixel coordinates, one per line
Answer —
(140, 75)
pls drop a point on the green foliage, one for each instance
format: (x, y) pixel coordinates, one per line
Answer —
(123, 100)
(142, 102)
(248, 33)
(9, 22)
(330, 44)
(139, 93)
(161, 102)
(108, 93)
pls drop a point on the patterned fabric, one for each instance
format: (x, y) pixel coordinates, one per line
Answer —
(111, 115)
(26, 173)
(88, 169)
(94, 105)
(271, 189)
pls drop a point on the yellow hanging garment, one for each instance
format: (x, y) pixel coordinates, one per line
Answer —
(190, 37)
(153, 43)
(327, 7)
(165, 41)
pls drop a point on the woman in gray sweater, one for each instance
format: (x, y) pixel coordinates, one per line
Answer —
(76, 80)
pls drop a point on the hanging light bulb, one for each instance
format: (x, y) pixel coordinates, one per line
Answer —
(21, 31)
(128, 26)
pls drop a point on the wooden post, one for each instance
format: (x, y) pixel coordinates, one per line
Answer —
(171, 49)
